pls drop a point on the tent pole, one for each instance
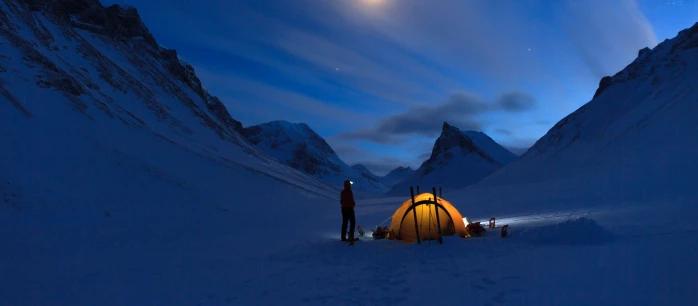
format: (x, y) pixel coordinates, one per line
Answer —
(440, 192)
(414, 213)
(417, 190)
(429, 208)
(438, 222)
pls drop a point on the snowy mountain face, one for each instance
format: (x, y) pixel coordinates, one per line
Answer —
(366, 174)
(634, 140)
(66, 58)
(397, 175)
(458, 159)
(298, 146)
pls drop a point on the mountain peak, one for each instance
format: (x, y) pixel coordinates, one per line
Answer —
(115, 21)
(400, 169)
(359, 167)
(458, 159)
(448, 127)
(293, 132)
(451, 137)
(397, 175)
(298, 146)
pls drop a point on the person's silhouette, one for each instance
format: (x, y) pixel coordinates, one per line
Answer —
(348, 203)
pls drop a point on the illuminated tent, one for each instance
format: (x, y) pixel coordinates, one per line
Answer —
(402, 226)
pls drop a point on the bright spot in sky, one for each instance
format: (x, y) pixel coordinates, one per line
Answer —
(372, 2)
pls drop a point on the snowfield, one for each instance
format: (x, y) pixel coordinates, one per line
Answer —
(178, 252)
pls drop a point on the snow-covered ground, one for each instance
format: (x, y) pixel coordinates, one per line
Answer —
(171, 252)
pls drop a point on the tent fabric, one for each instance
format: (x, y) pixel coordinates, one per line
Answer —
(402, 226)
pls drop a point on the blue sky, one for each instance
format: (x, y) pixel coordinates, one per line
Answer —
(377, 78)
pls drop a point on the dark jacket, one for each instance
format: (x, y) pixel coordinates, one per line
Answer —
(347, 196)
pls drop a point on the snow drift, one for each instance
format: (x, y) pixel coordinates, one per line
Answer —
(580, 231)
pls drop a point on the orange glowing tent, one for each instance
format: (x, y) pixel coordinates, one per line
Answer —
(422, 211)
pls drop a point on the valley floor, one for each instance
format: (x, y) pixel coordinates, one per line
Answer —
(608, 257)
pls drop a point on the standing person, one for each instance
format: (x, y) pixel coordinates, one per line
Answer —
(347, 202)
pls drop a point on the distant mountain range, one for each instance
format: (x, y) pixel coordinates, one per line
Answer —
(457, 160)
(397, 175)
(297, 145)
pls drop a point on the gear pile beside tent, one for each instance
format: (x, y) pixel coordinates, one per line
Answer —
(429, 217)
(381, 232)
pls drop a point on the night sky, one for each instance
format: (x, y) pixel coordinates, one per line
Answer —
(377, 78)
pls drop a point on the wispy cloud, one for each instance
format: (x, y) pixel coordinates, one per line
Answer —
(504, 131)
(460, 110)
(278, 103)
(344, 66)
(605, 34)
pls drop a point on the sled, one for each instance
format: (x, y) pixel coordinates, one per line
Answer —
(474, 229)
(380, 232)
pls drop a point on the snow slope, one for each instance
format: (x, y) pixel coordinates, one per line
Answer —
(632, 142)
(397, 175)
(458, 159)
(104, 64)
(120, 217)
(367, 174)
(118, 171)
(298, 146)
